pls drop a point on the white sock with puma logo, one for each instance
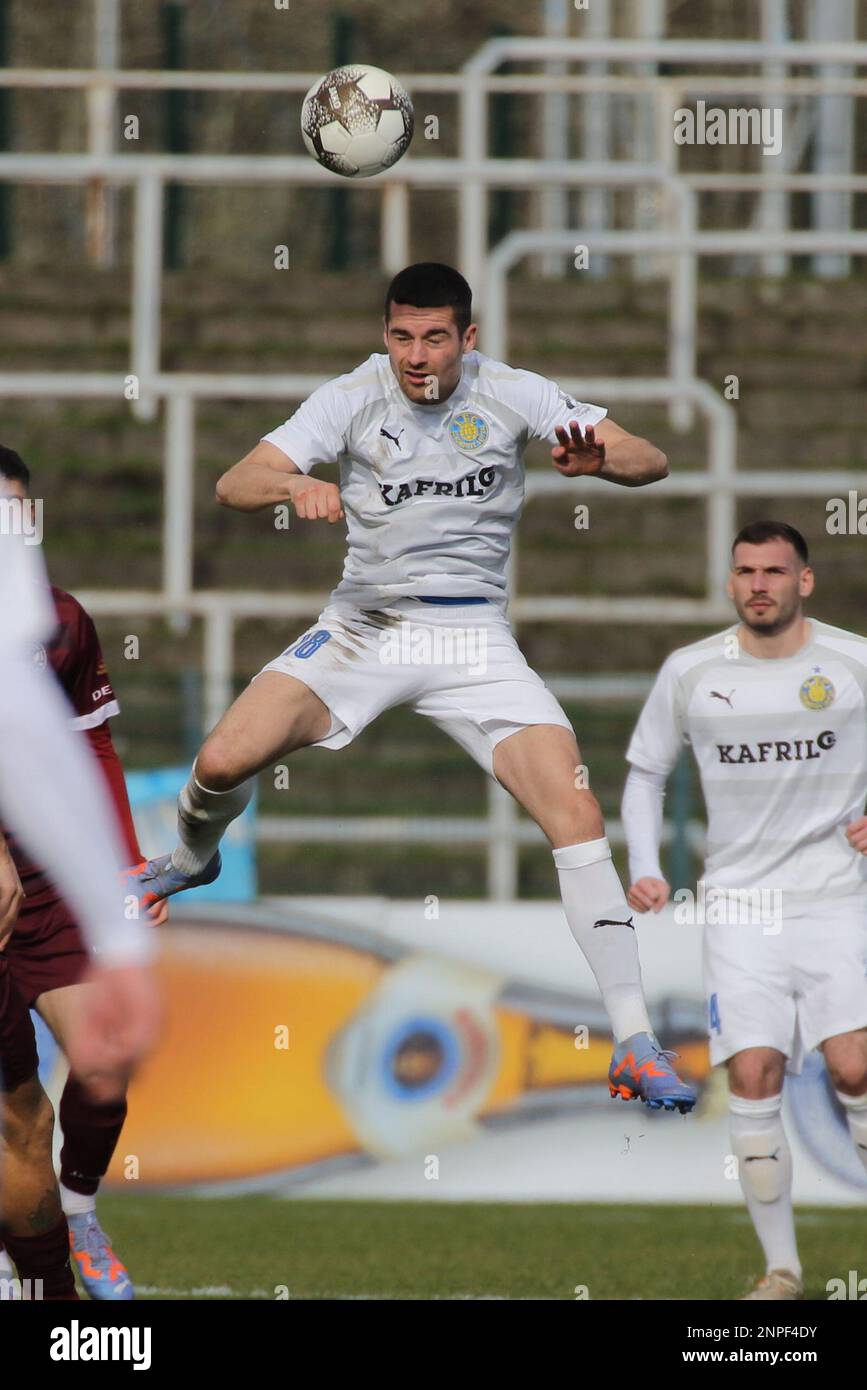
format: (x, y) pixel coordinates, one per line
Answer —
(602, 922)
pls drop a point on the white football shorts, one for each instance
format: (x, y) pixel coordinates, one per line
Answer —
(459, 664)
(789, 990)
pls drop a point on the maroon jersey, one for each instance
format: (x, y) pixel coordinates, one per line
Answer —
(75, 657)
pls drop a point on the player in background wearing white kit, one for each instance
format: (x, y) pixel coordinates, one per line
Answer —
(52, 796)
(430, 439)
(774, 710)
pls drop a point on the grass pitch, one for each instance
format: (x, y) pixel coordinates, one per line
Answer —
(251, 1247)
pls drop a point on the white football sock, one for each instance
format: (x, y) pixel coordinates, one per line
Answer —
(592, 893)
(75, 1203)
(765, 1171)
(856, 1118)
(203, 819)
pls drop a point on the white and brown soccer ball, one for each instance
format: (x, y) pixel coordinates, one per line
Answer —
(357, 121)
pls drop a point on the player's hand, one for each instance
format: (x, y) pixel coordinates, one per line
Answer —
(648, 894)
(577, 454)
(118, 1026)
(317, 501)
(856, 834)
(11, 894)
(158, 912)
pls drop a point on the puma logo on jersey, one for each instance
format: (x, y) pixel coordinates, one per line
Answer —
(613, 922)
(395, 438)
(717, 695)
(474, 485)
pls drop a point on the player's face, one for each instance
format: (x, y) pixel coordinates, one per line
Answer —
(426, 347)
(768, 584)
(12, 487)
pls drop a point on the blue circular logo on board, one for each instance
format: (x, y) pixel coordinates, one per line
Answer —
(420, 1058)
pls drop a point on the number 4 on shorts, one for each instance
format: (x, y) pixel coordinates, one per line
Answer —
(713, 1009)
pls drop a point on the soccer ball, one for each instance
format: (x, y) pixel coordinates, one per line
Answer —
(357, 121)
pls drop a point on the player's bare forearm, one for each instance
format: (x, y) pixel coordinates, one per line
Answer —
(249, 487)
(633, 462)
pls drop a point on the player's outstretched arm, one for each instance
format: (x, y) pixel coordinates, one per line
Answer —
(266, 477)
(607, 451)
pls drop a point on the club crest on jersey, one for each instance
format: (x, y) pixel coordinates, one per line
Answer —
(469, 431)
(39, 656)
(817, 692)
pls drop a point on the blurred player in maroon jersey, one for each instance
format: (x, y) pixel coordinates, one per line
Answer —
(46, 955)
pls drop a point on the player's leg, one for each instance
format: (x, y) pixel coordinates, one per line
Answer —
(765, 1165)
(90, 1134)
(274, 716)
(846, 1060)
(35, 1231)
(541, 766)
(34, 1228)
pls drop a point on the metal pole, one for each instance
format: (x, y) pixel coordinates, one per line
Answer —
(650, 23)
(553, 202)
(502, 845)
(394, 227)
(172, 15)
(834, 143)
(101, 201)
(219, 659)
(147, 290)
(6, 190)
(473, 198)
(773, 211)
(178, 462)
(596, 136)
(683, 312)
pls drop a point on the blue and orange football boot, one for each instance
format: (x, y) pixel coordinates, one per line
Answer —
(155, 879)
(100, 1271)
(641, 1069)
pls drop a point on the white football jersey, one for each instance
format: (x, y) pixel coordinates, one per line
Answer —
(781, 748)
(431, 492)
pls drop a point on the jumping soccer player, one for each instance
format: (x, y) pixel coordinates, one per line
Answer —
(430, 438)
(44, 954)
(774, 710)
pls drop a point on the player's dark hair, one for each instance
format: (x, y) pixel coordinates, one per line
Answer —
(757, 532)
(13, 467)
(429, 285)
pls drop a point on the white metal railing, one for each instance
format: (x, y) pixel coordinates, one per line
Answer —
(478, 81)
(685, 246)
(150, 172)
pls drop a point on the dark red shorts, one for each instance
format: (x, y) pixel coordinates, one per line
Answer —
(46, 950)
(18, 1058)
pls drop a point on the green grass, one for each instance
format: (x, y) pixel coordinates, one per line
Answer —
(248, 1247)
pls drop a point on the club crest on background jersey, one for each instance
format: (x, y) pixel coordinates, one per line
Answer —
(817, 692)
(469, 431)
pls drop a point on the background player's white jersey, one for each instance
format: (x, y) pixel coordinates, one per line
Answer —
(431, 492)
(781, 747)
